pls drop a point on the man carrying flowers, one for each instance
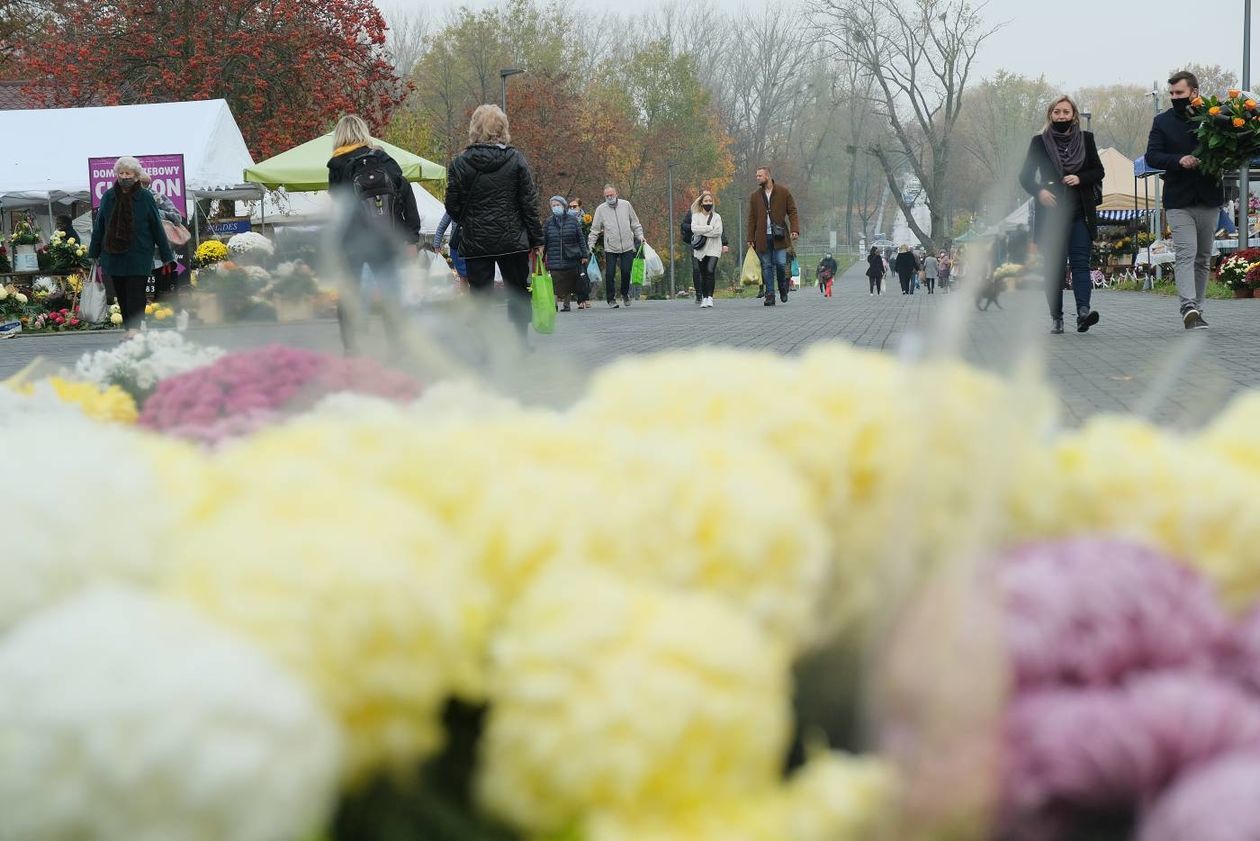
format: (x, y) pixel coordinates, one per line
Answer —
(1192, 198)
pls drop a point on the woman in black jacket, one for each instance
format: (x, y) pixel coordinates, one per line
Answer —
(564, 250)
(906, 266)
(875, 271)
(490, 192)
(1061, 171)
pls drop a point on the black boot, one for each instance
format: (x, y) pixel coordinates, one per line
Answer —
(1057, 327)
(1085, 319)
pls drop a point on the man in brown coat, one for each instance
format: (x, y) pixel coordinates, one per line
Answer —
(772, 226)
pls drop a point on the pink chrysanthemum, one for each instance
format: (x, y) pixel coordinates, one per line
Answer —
(1076, 751)
(1241, 653)
(1089, 612)
(244, 391)
(1215, 802)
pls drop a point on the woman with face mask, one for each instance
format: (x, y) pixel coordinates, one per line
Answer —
(706, 229)
(127, 230)
(564, 250)
(1062, 171)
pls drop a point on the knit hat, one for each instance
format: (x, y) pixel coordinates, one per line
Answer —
(561, 200)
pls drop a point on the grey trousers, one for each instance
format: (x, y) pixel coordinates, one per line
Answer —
(1193, 231)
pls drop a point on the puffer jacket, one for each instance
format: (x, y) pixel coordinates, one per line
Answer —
(490, 193)
(561, 233)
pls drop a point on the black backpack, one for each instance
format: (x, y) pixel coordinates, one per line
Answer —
(694, 240)
(375, 188)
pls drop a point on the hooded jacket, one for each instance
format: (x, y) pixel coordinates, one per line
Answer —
(490, 193)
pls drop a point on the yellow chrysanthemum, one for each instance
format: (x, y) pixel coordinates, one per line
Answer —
(112, 404)
(1125, 477)
(833, 798)
(611, 698)
(352, 589)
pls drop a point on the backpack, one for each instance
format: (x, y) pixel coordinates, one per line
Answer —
(378, 197)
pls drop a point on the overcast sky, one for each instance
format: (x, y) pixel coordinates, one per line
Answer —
(1072, 42)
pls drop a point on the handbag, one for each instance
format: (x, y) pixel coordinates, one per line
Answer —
(176, 235)
(776, 231)
(543, 300)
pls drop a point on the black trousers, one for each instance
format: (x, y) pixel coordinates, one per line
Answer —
(906, 280)
(877, 283)
(515, 271)
(930, 283)
(129, 290)
(611, 261)
(705, 270)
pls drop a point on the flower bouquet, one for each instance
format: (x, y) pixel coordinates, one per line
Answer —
(66, 254)
(25, 233)
(1228, 131)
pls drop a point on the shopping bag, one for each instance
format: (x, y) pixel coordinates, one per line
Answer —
(751, 275)
(593, 270)
(93, 302)
(653, 265)
(638, 270)
(543, 295)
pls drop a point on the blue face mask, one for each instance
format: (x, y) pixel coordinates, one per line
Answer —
(557, 211)
(612, 201)
(575, 212)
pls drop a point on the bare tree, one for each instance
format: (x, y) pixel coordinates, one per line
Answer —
(1120, 116)
(406, 40)
(1213, 79)
(919, 56)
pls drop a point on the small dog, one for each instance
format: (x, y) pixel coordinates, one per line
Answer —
(988, 292)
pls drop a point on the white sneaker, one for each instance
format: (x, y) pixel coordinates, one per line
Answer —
(704, 304)
(710, 301)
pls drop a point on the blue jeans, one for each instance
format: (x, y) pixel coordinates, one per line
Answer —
(1071, 246)
(774, 263)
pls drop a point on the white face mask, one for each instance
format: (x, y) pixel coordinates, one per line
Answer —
(612, 200)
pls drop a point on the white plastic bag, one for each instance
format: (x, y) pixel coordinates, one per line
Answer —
(93, 303)
(652, 264)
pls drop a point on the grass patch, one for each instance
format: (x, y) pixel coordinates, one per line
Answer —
(1215, 291)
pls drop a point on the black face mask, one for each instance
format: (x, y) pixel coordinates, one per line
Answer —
(1062, 127)
(1180, 104)
(707, 206)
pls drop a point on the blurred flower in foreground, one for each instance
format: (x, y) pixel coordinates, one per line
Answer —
(1215, 801)
(124, 718)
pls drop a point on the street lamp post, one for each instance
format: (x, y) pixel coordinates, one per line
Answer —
(669, 167)
(1244, 174)
(503, 77)
(1089, 117)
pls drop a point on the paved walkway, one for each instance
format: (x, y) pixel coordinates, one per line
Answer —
(1138, 359)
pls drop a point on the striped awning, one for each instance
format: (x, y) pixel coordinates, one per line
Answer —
(1121, 215)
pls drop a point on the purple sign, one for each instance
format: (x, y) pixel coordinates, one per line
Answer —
(167, 172)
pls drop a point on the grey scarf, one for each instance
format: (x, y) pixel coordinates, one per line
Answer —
(1066, 150)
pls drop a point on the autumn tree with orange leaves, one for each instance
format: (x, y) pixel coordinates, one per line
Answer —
(287, 68)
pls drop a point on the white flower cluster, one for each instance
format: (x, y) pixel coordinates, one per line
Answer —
(145, 360)
(250, 241)
(127, 718)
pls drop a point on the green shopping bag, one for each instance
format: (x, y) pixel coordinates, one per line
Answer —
(543, 295)
(639, 270)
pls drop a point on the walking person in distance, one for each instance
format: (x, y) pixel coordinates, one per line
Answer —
(377, 215)
(490, 194)
(617, 222)
(773, 225)
(907, 267)
(875, 267)
(1061, 171)
(931, 269)
(564, 250)
(826, 273)
(706, 244)
(1192, 198)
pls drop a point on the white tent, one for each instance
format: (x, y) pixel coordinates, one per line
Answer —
(280, 207)
(1018, 218)
(44, 152)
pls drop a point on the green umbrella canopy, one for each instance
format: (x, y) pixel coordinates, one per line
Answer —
(305, 168)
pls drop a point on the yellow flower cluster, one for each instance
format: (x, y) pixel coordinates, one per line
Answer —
(210, 251)
(111, 404)
(159, 311)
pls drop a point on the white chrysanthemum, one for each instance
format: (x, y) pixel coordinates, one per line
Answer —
(355, 591)
(611, 698)
(250, 241)
(124, 718)
(93, 506)
(145, 360)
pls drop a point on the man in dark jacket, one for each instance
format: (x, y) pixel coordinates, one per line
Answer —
(1193, 199)
(490, 193)
(773, 225)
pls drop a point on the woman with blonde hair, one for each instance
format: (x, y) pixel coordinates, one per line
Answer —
(490, 193)
(377, 214)
(1062, 170)
(706, 244)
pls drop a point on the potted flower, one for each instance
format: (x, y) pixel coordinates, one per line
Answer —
(293, 292)
(66, 254)
(24, 238)
(5, 266)
(1234, 275)
(1253, 279)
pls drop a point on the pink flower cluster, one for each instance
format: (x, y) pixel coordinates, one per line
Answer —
(1135, 698)
(244, 391)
